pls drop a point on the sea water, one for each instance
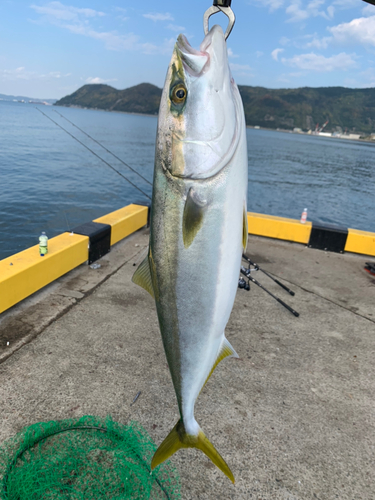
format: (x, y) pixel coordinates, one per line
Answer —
(50, 182)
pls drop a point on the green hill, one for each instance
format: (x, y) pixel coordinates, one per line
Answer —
(351, 109)
(143, 98)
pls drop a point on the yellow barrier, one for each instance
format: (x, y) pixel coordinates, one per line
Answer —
(360, 242)
(26, 272)
(278, 227)
(125, 221)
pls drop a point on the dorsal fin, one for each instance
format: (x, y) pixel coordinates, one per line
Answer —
(245, 229)
(226, 350)
(142, 277)
(193, 217)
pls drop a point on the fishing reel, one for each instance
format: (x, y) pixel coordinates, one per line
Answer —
(252, 266)
(243, 284)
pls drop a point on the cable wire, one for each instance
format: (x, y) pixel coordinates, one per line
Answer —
(95, 154)
(101, 145)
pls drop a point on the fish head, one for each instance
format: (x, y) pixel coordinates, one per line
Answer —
(198, 127)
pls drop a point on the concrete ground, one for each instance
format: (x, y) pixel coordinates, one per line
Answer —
(293, 417)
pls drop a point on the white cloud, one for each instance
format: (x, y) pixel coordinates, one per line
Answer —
(21, 73)
(299, 12)
(361, 31)
(319, 63)
(275, 54)
(365, 79)
(368, 10)
(57, 10)
(284, 40)
(259, 53)
(271, 4)
(174, 27)
(331, 11)
(165, 48)
(158, 16)
(111, 39)
(96, 79)
(77, 21)
(319, 43)
(122, 13)
(231, 53)
(296, 13)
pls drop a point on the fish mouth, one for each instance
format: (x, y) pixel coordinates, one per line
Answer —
(198, 61)
(195, 62)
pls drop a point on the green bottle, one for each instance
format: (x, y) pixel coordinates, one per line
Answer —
(43, 244)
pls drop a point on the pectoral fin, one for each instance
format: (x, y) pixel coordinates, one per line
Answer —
(193, 217)
(245, 229)
(143, 278)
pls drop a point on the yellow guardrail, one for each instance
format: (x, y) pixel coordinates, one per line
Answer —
(125, 221)
(26, 272)
(270, 226)
(278, 227)
(360, 242)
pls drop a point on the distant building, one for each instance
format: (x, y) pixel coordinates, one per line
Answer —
(351, 136)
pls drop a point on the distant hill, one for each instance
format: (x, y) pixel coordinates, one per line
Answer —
(351, 109)
(346, 109)
(143, 98)
(5, 97)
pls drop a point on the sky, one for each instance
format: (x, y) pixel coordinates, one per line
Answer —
(48, 49)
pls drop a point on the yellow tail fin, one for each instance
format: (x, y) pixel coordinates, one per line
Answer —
(178, 438)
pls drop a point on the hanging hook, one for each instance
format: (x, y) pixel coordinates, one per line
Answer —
(224, 7)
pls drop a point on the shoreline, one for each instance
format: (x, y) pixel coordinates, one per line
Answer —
(106, 110)
(247, 126)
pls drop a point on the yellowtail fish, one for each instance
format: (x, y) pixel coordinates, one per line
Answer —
(198, 226)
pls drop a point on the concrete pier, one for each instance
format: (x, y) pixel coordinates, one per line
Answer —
(294, 417)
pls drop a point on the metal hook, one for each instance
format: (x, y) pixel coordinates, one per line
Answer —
(225, 10)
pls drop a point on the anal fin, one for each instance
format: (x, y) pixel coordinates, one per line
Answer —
(143, 278)
(226, 350)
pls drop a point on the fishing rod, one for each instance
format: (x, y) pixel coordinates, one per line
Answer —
(257, 268)
(247, 273)
(95, 154)
(101, 145)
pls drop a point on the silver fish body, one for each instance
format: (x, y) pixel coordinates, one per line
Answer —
(198, 225)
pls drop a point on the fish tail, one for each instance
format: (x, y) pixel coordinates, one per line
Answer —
(178, 438)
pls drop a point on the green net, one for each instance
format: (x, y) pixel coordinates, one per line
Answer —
(85, 458)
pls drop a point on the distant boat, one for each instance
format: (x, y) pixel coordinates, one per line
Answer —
(41, 102)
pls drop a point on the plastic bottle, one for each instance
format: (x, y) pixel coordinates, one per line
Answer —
(43, 244)
(304, 216)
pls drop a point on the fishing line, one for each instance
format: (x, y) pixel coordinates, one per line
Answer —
(95, 154)
(101, 145)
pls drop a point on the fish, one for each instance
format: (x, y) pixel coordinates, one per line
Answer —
(198, 228)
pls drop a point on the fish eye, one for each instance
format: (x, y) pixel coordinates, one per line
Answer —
(179, 94)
